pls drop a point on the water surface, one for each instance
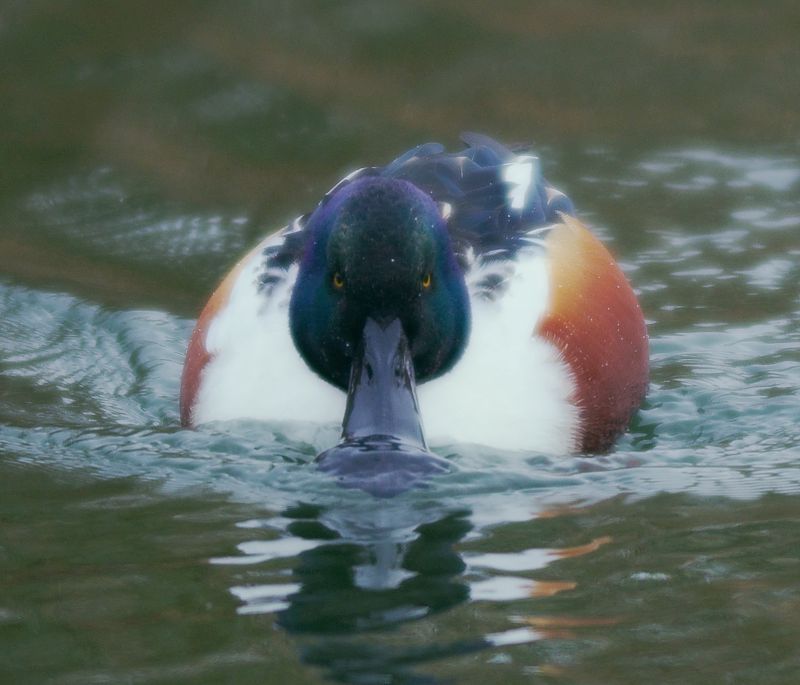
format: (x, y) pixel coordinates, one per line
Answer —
(142, 157)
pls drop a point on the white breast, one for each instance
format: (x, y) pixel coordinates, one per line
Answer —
(255, 371)
(510, 389)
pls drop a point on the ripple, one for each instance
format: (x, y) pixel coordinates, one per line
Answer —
(92, 389)
(102, 211)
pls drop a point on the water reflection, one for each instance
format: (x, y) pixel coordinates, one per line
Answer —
(346, 583)
(348, 587)
(333, 577)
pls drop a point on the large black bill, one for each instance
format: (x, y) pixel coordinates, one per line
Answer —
(383, 448)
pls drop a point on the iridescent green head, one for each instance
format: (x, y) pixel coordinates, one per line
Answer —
(379, 249)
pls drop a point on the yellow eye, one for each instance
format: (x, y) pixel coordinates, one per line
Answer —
(338, 281)
(426, 280)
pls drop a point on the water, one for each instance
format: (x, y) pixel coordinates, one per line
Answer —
(138, 165)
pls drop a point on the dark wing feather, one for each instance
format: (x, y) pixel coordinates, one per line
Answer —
(484, 221)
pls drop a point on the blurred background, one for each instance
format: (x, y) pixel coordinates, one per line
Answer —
(144, 146)
(193, 111)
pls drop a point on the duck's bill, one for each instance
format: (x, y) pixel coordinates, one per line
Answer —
(383, 448)
(380, 465)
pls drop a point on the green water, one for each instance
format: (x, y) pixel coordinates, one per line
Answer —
(144, 147)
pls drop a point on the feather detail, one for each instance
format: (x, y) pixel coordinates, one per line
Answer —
(595, 321)
(197, 354)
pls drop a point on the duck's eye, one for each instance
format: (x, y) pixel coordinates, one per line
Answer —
(426, 280)
(338, 281)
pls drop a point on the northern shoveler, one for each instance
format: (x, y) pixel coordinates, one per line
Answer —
(465, 272)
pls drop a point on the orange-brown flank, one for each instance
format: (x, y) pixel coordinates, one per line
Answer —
(594, 319)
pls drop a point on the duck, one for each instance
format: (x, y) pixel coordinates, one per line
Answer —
(454, 288)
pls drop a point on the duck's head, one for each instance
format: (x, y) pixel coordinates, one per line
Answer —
(379, 302)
